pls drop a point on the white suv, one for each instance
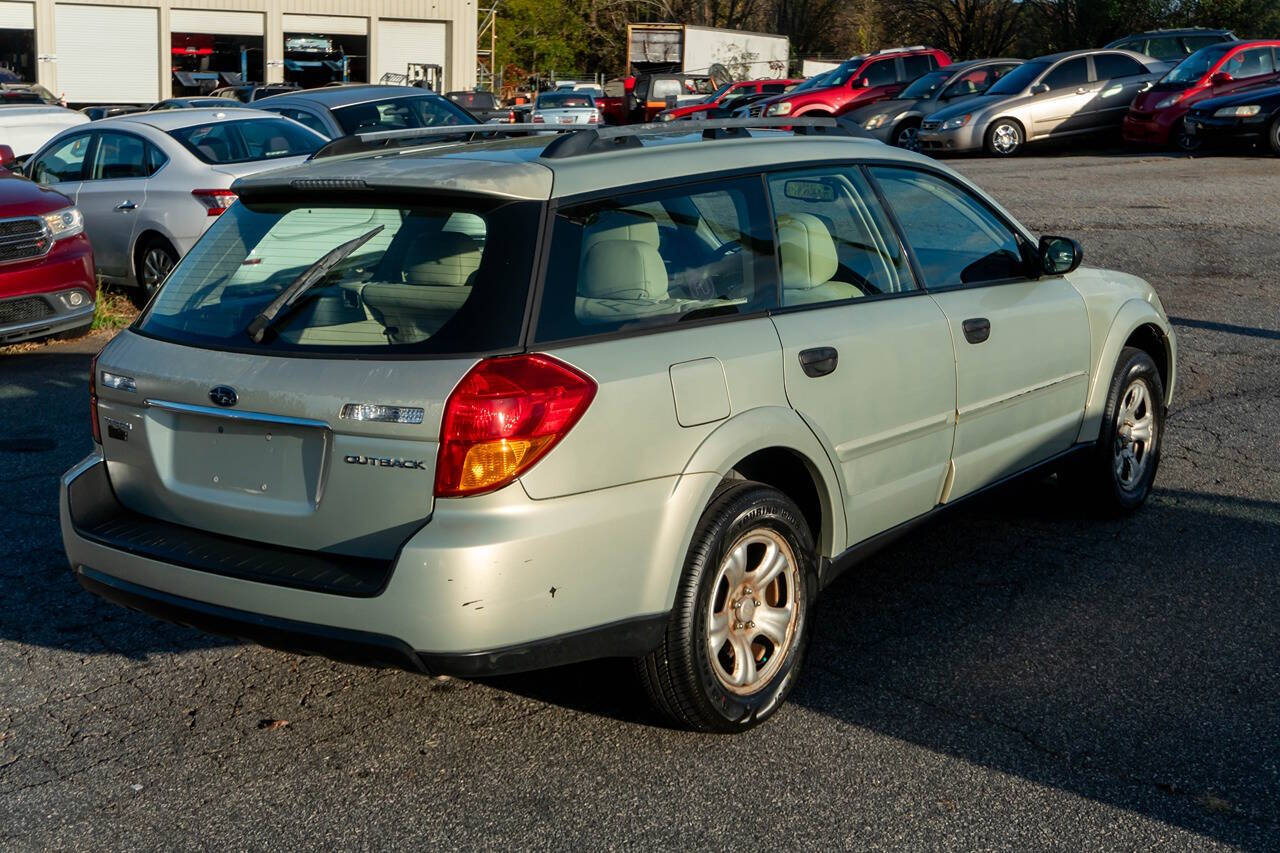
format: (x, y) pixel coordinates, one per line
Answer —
(488, 407)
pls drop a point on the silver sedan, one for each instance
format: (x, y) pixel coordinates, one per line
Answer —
(149, 184)
(565, 107)
(1065, 94)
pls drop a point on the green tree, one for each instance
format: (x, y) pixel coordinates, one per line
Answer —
(542, 35)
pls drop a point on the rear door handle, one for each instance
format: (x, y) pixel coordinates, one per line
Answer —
(127, 205)
(976, 330)
(818, 361)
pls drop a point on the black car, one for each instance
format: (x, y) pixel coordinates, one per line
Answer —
(1249, 116)
(1172, 45)
(897, 121)
(100, 111)
(483, 105)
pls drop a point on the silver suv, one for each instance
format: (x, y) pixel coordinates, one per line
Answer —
(475, 408)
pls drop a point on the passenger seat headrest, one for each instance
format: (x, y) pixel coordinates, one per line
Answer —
(623, 269)
(622, 225)
(808, 252)
(446, 259)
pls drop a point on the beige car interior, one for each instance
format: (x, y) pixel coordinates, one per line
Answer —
(809, 261)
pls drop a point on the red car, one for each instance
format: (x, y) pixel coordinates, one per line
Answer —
(856, 82)
(1155, 116)
(47, 282)
(728, 93)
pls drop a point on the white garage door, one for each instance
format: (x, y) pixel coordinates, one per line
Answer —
(17, 16)
(403, 42)
(329, 25)
(221, 23)
(108, 54)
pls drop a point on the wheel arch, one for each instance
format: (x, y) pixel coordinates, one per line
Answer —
(1137, 324)
(145, 236)
(1022, 128)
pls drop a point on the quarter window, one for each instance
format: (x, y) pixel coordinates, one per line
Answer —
(834, 240)
(957, 240)
(1068, 75)
(64, 163)
(658, 258)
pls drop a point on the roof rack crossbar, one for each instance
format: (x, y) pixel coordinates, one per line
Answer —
(601, 140)
(383, 139)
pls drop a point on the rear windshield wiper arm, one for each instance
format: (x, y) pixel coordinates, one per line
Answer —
(280, 307)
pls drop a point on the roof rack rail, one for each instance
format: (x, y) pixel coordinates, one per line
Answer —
(605, 139)
(383, 139)
(900, 49)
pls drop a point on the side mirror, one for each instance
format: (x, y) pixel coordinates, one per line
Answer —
(1059, 255)
(1039, 88)
(1222, 78)
(7, 157)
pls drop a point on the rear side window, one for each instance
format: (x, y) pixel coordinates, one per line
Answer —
(427, 279)
(915, 65)
(247, 140)
(1110, 66)
(305, 118)
(399, 113)
(957, 239)
(1165, 48)
(1194, 43)
(658, 259)
(122, 155)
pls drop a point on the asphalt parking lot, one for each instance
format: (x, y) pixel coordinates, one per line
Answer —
(1019, 676)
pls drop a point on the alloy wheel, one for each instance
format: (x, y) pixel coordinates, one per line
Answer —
(909, 138)
(1135, 435)
(751, 622)
(157, 263)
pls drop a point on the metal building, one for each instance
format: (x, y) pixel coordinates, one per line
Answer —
(136, 51)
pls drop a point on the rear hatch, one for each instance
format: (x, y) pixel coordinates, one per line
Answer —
(319, 431)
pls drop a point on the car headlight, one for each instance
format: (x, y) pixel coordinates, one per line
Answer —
(67, 222)
(781, 108)
(876, 121)
(1238, 112)
(1165, 103)
(956, 123)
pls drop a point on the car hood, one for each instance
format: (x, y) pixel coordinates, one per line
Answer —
(896, 106)
(1247, 96)
(20, 197)
(1147, 100)
(974, 105)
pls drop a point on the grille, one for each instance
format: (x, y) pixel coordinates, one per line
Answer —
(23, 238)
(755, 110)
(930, 124)
(24, 309)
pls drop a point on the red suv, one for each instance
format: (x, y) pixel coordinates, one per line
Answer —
(857, 82)
(47, 283)
(1155, 116)
(726, 94)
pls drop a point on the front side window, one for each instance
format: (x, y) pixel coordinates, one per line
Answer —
(1164, 48)
(64, 163)
(1254, 62)
(665, 88)
(957, 240)
(658, 258)
(247, 140)
(425, 279)
(119, 155)
(880, 73)
(973, 82)
(834, 241)
(399, 113)
(1069, 75)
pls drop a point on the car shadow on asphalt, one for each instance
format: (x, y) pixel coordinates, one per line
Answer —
(1132, 662)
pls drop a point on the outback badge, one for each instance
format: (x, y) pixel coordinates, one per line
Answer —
(386, 462)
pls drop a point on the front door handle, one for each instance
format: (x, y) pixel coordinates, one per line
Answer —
(127, 205)
(976, 330)
(818, 361)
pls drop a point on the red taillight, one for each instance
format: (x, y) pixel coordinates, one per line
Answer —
(214, 201)
(511, 117)
(504, 416)
(538, 119)
(93, 400)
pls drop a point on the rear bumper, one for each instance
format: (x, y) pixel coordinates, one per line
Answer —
(493, 584)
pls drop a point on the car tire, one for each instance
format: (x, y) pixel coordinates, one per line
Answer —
(155, 260)
(1185, 143)
(906, 136)
(1273, 136)
(1004, 138)
(1116, 475)
(696, 678)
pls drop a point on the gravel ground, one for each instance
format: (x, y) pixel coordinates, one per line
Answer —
(1018, 676)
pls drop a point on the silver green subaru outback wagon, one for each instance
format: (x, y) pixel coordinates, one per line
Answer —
(490, 406)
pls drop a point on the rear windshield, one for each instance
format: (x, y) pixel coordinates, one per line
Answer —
(475, 100)
(427, 280)
(247, 140)
(565, 100)
(400, 113)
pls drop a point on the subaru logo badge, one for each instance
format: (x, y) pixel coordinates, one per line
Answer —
(223, 395)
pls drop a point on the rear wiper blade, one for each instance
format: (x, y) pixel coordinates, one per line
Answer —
(279, 308)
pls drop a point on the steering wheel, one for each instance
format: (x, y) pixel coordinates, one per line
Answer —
(724, 250)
